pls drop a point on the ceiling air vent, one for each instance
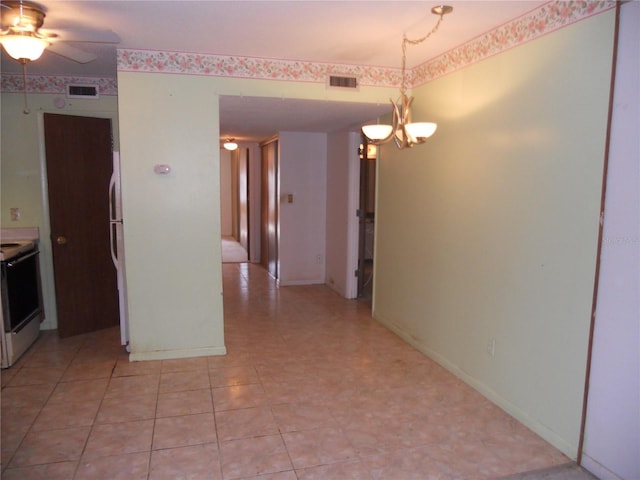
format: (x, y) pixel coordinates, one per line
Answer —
(82, 91)
(339, 81)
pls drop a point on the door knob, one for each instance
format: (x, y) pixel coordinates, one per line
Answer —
(61, 240)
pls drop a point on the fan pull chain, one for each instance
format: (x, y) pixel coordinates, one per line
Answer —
(26, 110)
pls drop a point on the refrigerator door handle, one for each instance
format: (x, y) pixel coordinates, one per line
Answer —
(112, 197)
(112, 242)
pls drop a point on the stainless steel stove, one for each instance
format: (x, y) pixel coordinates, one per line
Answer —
(21, 295)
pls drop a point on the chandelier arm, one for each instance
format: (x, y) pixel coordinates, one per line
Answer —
(398, 143)
(407, 119)
(398, 120)
(406, 116)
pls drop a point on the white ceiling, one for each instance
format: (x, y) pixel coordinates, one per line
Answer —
(351, 32)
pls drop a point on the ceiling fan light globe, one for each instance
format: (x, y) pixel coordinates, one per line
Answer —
(377, 131)
(23, 47)
(420, 131)
(231, 146)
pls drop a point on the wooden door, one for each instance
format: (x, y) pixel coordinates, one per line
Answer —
(235, 196)
(269, 214)
(243, 199)
(264, 208)
(79, 164)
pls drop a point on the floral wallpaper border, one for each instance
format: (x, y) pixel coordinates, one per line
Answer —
(13, 83)
(545, 19)
(250, 68)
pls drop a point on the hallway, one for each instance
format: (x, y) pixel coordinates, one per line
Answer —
(311, 388)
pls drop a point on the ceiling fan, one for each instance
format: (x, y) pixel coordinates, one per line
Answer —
(23, 40)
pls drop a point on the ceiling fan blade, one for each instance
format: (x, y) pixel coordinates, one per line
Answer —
(71, 53)
(84, 35)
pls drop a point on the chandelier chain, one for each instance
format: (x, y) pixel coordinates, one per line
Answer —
(407, 41)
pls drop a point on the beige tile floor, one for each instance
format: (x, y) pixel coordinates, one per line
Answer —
(311, 388)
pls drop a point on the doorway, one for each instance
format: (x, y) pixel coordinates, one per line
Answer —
(234, 205)
(79, 162)
(366, 219)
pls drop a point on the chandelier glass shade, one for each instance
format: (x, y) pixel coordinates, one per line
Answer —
(377, 131)
(402, 130)
(25, 47)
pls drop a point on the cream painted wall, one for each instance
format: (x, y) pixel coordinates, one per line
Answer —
(172, 222)
(301, 233)
(489, 231)
(23, 170)
(172, 119)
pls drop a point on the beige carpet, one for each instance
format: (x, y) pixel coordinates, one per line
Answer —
(232, 251)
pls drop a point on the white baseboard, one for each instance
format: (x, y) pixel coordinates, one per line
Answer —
(597, 469)
(288, 283)
(531, 423)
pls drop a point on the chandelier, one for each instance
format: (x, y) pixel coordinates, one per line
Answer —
(402, 130)
(20, 35)
(230, 144)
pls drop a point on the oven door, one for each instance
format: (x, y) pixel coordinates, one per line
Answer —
(20, 291)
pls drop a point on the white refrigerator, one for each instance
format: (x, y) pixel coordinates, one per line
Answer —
(117, 247)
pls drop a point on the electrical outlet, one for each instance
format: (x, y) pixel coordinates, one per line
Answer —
(15, 214)
(491, 347)
(318, 258)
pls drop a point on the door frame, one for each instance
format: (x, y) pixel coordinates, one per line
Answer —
(366, 188)
(353, 226)
(46, 249)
